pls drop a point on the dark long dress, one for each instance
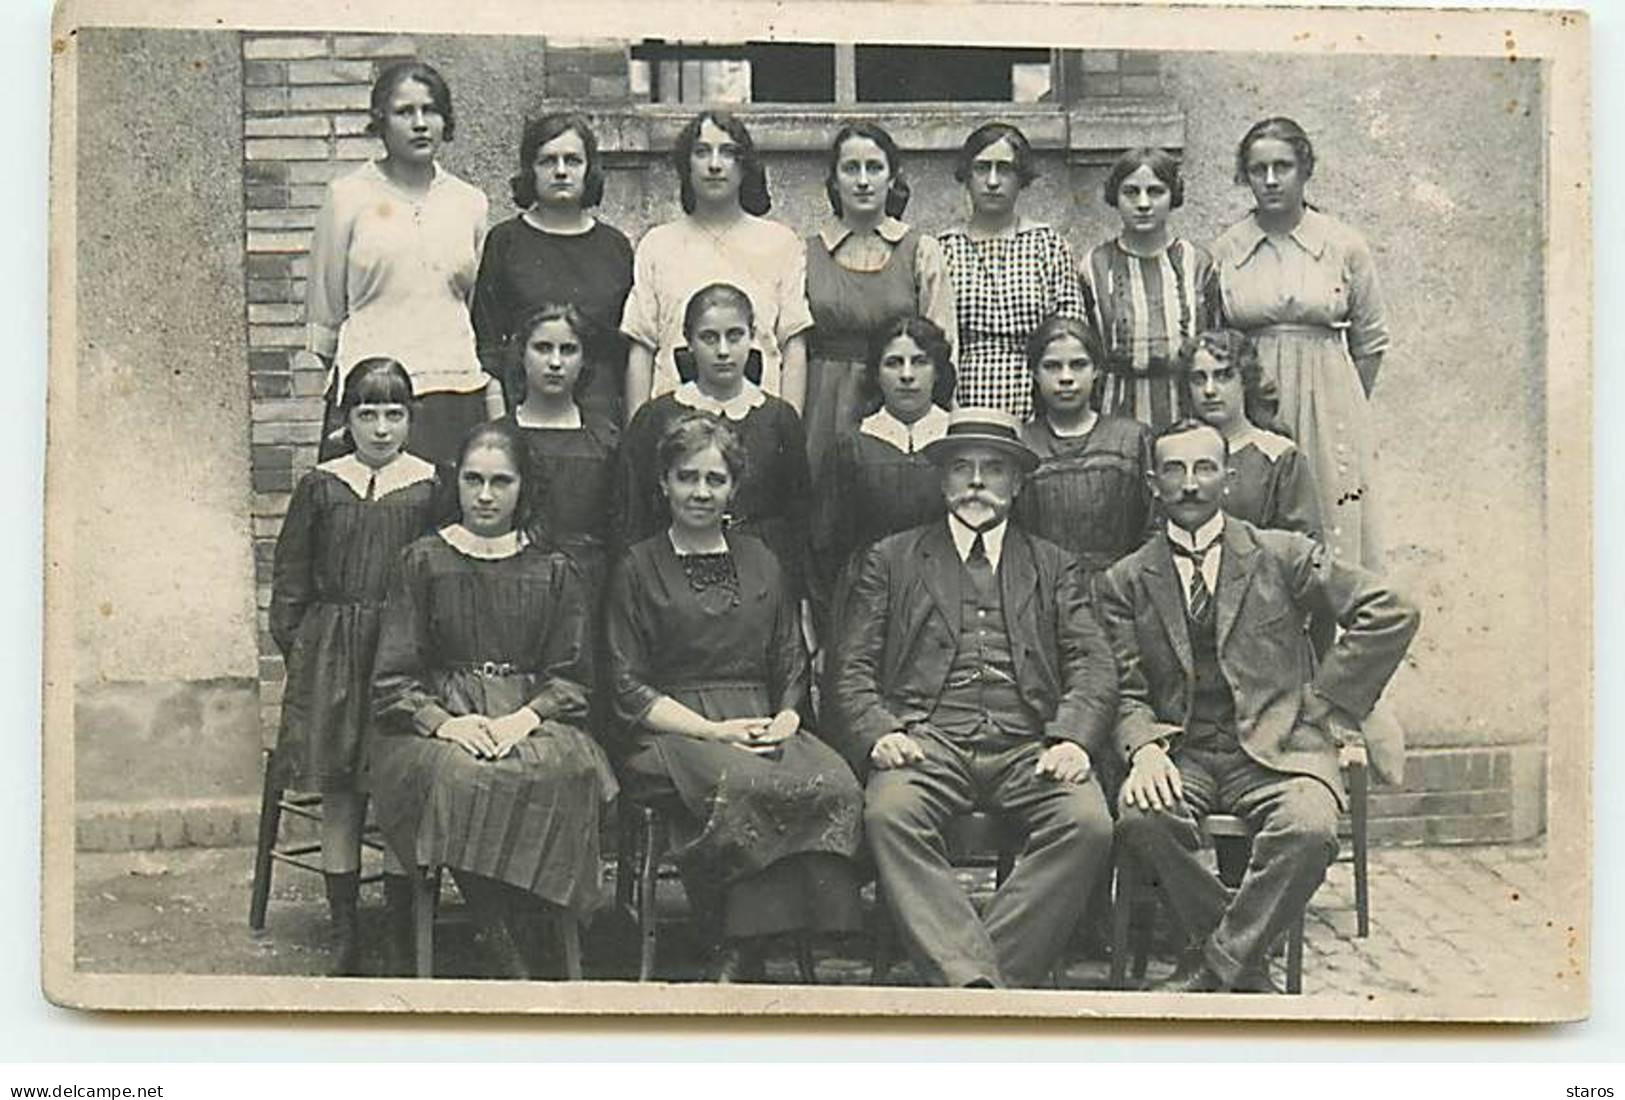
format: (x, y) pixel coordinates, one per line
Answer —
(764, 840)
(1272, 486)
(575, 469)
(1089, 494)
(523, 267)
(772, 503)
(867, 489)
(469, 635)
(329, 579)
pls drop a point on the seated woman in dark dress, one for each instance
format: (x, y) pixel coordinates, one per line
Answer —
(1270, 482)
(876, 480)
(479, 763)
(570, 448)
(1089, 493)
(710, 679)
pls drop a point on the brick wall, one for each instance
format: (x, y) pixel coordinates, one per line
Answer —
(304, 121)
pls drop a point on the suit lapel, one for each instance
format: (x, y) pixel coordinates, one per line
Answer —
(1235, 575)
(1018, 582)
(941, 568)
(1162, 581)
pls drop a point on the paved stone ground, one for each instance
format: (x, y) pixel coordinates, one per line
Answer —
(1469, 922)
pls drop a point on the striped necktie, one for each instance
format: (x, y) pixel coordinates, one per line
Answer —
(1199, 595)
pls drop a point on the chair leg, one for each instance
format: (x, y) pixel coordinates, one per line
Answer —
(1359, 780)
(1294, 957)
(1123, 901)
(805, 961)
(425, 888)
(570, 938)
(270, 823)
(648, 879)
(625, 857)
(885, 945)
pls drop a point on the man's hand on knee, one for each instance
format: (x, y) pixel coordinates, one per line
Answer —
(1065, 762)
(895, 750)
(1153, 780)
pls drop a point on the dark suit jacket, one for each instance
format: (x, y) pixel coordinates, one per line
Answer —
(901, 631)
(1269, 582)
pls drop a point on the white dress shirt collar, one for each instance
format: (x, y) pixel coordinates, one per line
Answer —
(965, 535)
(398, 473)
(1209, 535)
(908, 438)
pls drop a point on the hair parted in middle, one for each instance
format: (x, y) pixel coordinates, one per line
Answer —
(1163, 164)
(987, 134)
(504, 435)
(1051, 329)
(1261, 402)
(754, 197)
(537, 133)
(398, 73)
(897, 190)
(1279, 129)
(930, 338)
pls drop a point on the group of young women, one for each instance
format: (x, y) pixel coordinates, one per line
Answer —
(582, 512)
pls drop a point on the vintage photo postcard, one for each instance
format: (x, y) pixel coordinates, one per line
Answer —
(840, 509)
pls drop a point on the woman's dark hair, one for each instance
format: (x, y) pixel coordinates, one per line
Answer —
(1260, 401)
(931, 339)
(1053, 328)
(985, 135)
(537, 133)
(1280, 129)
(753, 194)
(398, 73)
(1163, 164)
(713, 295)
(503, 435)
(589, 334)
(695, 431)
(897, 191)
(375, 381)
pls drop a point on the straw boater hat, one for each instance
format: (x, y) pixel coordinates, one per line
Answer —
(990, 427)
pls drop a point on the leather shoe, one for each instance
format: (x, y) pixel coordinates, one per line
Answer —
(1199, 978)
(1255, 981)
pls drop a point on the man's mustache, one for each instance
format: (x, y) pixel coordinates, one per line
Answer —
(977, 496)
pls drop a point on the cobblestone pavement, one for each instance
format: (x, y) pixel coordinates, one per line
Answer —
(1468, 922)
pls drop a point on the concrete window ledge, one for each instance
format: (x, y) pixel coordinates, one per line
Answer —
(1091, 131)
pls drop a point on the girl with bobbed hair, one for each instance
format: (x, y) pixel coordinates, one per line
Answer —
(1009, 272)
(480, 762)
(347, 523)
(876, 480)
(710, 676)
(864, 268)
(721, 237)
(1304, 287)
(392, 267)
(1146, 290)
(556, 251)
(1089, 494)
(1222, 384)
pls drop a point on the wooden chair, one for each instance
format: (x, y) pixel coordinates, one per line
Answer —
(274, 802)
(425, 903)
(976, 839)
(641, 865)
(1357, 778)
(1134, 895)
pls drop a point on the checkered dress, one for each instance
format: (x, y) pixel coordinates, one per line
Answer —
(1005, 287)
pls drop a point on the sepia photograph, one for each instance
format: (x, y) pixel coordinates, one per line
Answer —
(941, 509)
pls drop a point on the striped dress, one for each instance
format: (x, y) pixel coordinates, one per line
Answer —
(1144, 307)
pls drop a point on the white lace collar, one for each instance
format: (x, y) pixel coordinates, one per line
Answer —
(572, 423)
(400, 472)
(737, 407)
(908, 438)
(484, 547)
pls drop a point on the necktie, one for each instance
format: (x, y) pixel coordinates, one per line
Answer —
(1200, 596)
(372, 485)
(978, 565)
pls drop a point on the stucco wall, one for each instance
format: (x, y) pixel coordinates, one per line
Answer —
(161, 462)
